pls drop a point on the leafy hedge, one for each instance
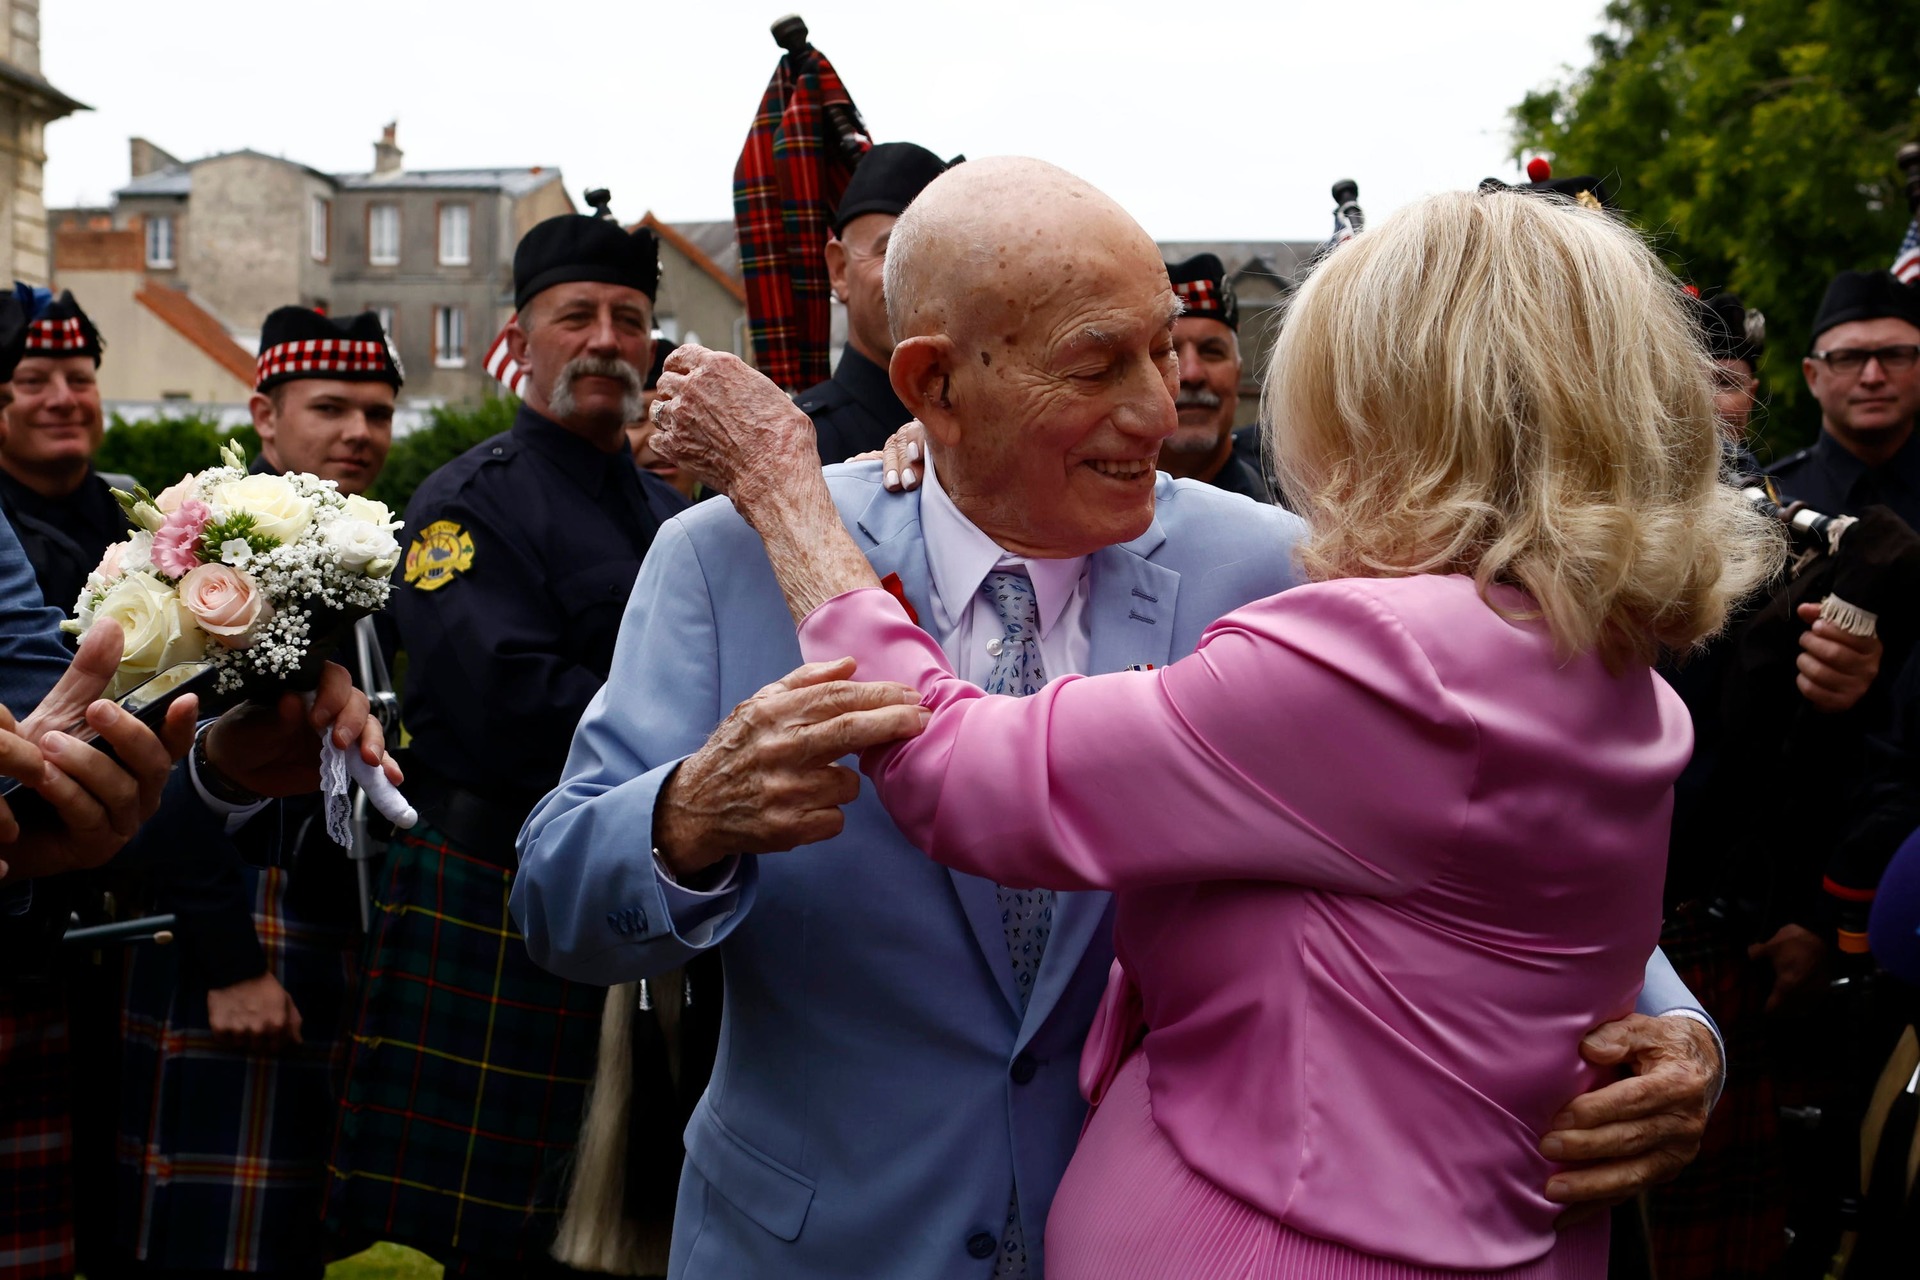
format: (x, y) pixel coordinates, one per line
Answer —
(158, 451)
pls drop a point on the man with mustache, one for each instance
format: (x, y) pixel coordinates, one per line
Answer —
(1206, 338)
(469, 1065)
(63, 510)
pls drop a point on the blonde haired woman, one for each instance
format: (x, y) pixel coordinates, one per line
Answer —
(1389, 843)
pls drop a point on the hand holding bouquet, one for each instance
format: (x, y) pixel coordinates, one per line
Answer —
(260, 575)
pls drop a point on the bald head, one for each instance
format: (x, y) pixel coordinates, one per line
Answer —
(1002, 235)
(1033, 329)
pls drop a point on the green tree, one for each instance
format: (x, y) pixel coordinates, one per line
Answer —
(1754, 142)
(159, 451)
(446, 435)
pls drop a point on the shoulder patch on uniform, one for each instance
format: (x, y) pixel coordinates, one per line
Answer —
(440, 553)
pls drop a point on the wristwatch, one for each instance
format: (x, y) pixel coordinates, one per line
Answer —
(217, 784)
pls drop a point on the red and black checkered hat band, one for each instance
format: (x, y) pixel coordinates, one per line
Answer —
(321, 356)
(58, 338)
(1200, 297)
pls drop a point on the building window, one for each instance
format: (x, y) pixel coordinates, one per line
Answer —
(322, 229)
(450, 337)
(383, 234)
(159, 240)
(386, 320)
(455, 241)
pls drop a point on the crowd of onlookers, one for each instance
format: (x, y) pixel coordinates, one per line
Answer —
(295, 1050)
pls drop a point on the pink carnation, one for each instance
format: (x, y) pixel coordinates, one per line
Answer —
(176, 544)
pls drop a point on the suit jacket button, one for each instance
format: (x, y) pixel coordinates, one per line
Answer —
(982, 1245)
(1024, 1069)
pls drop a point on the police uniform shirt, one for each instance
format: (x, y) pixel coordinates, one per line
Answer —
(1834, 482)
(854, 411)
(1242, 472)
(520, 556)
(64, 537)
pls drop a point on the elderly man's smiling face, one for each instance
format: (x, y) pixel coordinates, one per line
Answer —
(1046, 374)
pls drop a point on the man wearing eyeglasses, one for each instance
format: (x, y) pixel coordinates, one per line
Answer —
(1864, 369)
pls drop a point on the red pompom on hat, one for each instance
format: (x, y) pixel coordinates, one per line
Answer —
(1538, 169)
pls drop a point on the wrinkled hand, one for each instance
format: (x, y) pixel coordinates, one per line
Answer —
(96, 803)
(1637, 1132)
(1836, 667)
(274, 749)
(257, 1014)
(766, 780)
(1798, 957)
(718, 418)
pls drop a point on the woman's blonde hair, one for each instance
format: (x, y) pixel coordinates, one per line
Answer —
(1511, 388)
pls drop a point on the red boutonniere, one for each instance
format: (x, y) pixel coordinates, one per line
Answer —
(892, 585)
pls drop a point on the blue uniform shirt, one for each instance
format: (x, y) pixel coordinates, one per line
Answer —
(1834, 482)
(520, 556)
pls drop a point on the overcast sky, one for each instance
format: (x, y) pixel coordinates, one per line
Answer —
(1207, 119)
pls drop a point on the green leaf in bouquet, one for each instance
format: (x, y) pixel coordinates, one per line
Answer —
(240, 525)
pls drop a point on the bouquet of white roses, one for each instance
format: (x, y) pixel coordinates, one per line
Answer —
(258, 574)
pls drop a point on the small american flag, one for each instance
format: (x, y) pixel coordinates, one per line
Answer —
(1906, 264)
(503, 368)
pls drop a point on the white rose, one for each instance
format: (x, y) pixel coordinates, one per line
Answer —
(278, 510)
(359, 508)
(360, 545)
(158, 629)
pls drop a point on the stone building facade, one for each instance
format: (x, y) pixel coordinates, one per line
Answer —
(27, 105)
(243, 232)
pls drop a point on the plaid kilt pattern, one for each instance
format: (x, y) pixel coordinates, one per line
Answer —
(223, 1152)
(36, 1135)
(468, 1072)
(1725, 1216)
(786, 185)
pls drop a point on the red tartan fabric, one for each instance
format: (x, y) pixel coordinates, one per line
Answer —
(36, 1139)
(790, 176)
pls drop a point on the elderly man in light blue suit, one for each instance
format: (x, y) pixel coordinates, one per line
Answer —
(896, 1090)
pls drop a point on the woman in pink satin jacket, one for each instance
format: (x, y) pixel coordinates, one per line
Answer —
(1389, 843)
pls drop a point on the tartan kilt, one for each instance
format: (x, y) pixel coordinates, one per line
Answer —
(468, 1071)
(36, 1135)
(1725, 1216)
(223, 1152)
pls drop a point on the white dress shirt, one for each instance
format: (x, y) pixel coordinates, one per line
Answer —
(962, 619)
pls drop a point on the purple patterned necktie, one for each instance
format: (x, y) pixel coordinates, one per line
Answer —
(1025, 914)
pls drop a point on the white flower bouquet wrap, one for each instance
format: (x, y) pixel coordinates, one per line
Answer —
(260, 575)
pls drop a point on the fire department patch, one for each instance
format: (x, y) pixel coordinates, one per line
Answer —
(442, 552)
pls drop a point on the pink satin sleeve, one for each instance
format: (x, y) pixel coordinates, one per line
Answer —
(1308, 740)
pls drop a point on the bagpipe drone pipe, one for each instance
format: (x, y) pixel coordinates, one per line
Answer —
(1786, 771)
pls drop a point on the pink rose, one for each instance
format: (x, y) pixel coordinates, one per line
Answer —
(109, 567)
(225, 602)
(174, 495)
(176, 544)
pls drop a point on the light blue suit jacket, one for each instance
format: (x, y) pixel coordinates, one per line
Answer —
(878, 1091)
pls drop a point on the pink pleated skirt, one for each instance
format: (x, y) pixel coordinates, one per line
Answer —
(1129, 1206)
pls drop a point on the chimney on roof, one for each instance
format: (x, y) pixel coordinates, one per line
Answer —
(145, 158)
(386, 152)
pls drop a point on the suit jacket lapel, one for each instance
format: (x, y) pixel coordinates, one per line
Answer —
(1130, 604)
(891, 525)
